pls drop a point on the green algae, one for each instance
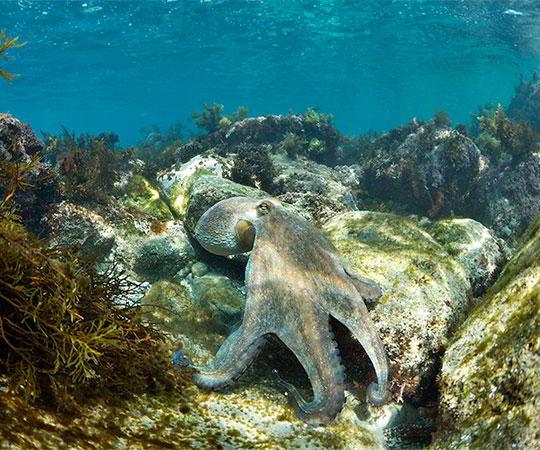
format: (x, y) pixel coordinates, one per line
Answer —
(141, 195)
(490, 383)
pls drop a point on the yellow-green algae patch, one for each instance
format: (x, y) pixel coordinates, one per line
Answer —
(141, 195)
(490, 381)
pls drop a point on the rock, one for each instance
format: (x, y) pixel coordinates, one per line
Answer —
(510, 200)
(163, 256)
(76, 226)
(177, 181)
(254, 417)
(424, 168)
(222, 297)
(207, 190)
(317, 191)
(19, 144)
(525, 105)
(17, 139)
(490, 378)
(425, 292)
(141, 195)
(474, 246)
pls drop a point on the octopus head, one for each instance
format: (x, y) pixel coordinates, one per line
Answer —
(229, 227)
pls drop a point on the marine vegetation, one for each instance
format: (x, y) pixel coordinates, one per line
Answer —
(67, 330)
(503, 139)
(88, 164)
(158, 148)
(252, 166)
(295, 281)
(211, 118)
(7, 43)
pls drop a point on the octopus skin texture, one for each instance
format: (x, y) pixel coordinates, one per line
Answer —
(295, 281)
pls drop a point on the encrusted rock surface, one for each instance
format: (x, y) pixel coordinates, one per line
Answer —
(426, 289)
(316, 190)
(474, 246)
(510, 200)
(490, 380)
(428, 169)
(162, 257)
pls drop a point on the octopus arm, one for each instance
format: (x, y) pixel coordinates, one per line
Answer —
(368, 289)
(231, 361)
(317, 352)
(352, 312)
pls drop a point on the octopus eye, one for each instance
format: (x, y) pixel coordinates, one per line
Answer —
(246, 234)
(264, 208)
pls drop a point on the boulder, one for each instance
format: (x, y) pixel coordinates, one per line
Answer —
(316, 190)
(474, 246)
(490, 378)
(74, 226)
(424, 168)
(141, 195)
(509, 200)
(162, 257)
(222, 297)
(426, 288)
(19, 145)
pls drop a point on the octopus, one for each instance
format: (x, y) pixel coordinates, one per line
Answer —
(295, 281)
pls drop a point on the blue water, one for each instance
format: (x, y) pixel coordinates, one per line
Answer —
(122, 65)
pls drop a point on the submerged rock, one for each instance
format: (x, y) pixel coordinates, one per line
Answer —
(490, 380)
(177, 182)
(163, 256)
(141, 195)
(510, 200)
(74, 226)
(316, 190)
(424, 168)
(426, 289)
(19, 144)
(17, 139)
(474, 246)
(221, 296)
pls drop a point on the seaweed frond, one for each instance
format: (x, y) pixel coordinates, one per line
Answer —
(7, 43)
(65, 328)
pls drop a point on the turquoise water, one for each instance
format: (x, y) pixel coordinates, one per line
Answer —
(123, 65)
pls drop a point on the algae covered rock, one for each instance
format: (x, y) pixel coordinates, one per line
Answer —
(75, 226)
(490, 379)
(163, 256)
(207, 190)
(425, 291)
(510, 200)
(141, 195)
(316, 190)
(426, 168)
(221, 296)
(176, 182)
(474, 246)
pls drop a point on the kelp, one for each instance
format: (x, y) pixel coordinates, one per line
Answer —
(65, 328)
(7, 43)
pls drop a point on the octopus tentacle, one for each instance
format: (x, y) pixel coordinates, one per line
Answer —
(231, 361)
(321, 361)
(354, 315)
